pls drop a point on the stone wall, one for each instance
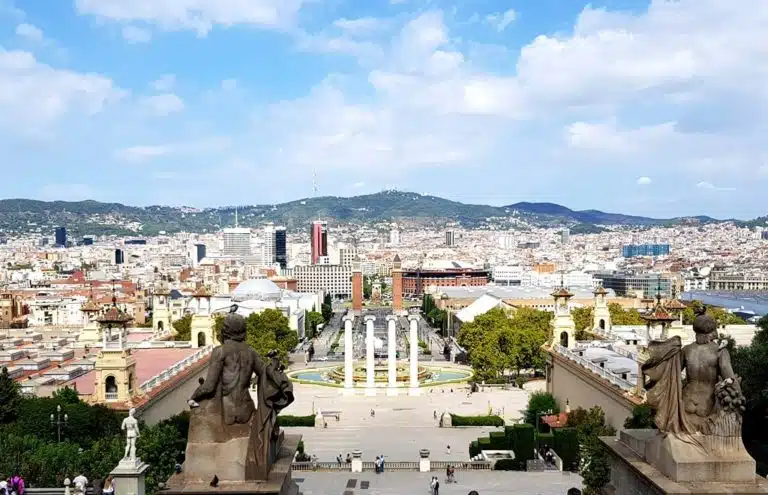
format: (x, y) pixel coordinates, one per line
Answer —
(172, 400)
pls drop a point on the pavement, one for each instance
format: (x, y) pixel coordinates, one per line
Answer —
(410, 483)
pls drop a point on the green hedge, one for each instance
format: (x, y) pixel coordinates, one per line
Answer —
(288, 420)
(566, 446)
(509, 432)
(457, 420)
(498, 440)
(484, 443)
(474, 449)
(509, 465)
(524, 441)
(547, 439)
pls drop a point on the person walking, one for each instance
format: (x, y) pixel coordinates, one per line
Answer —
(376, 465)
(381, 463)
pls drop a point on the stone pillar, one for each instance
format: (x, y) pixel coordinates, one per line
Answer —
(357, 461)
(129, 477)
(424, 466)
(413, 338)
(349, 351)
(370, 361)
(392, 355)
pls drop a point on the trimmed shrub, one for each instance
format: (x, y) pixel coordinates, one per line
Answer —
(566, 446)
(524, 442)
(547, 439)
(457, 420)
(509, 465)
(484, 443)
(288, 420)
(509, 432)
(498, 440)
(474, 448)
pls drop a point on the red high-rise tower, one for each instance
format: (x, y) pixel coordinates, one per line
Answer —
(319, 239)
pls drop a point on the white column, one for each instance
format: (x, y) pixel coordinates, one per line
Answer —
(392, 355)
(349, 351)
(370, 362)
(414, 354)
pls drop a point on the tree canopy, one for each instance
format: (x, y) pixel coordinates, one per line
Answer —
(593, 466)
(583, 318)
(311, 321)
(326, 309)
(9, 398)
(722, 316)
(540, 402)
(496, 342)
(266, 331)
(621, 316)
(183, 328)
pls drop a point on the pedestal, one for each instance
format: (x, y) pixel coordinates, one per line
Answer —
(129, 477)
(319, 420)
(424, 464)
(357, 461)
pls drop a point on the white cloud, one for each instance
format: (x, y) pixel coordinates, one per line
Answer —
(229, 84)
(164, 83)
(606, 136)
(358, 185)
(643, 181)
(134, 34)
(708, 185)
(501, 20)
(142, 153)
(29, 32)
(195, 15)
(34, 96)
(164, 104)
(361, 25)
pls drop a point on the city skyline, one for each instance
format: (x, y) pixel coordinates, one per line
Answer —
(647, 108)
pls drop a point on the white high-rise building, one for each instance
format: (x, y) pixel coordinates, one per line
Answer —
(237, 242)
(394, 235)
(268, 248)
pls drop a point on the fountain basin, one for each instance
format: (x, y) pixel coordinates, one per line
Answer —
(334, 375)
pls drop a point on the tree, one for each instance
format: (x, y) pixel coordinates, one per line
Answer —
(326, 309)
(183, 328)
(367, 287)
(621, 316)
(583, 318)
(10, 400)
(641, 418)
(311, 321)
(538, 403)
(270, 330)
(722, 316)
(593, 466)
(66, 395)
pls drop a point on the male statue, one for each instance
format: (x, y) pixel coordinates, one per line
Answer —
(225, 410)
(131, 428)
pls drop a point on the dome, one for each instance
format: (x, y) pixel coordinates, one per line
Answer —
(257, 288)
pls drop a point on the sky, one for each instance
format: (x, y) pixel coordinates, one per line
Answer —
(656, 108)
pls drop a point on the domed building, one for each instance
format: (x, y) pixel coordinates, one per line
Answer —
(257, 289)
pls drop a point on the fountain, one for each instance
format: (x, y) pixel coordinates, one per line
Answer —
(334, 375)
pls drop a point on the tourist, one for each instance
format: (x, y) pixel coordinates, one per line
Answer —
(381, 463)
(436, 488)
(109, 486)
(448, 449)
(349, 458)
(376, 465)
(432, 483)
(373, 413)
(473, 492)
(80, 482)
(434, 414)
(573, 491)
(98, 485)
(339, 460)
(17, 484)
(4, 487)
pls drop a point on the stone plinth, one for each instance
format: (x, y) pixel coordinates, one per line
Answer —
(424, 465)
(319, 420)
(129, 476)
(641, 459)
(279, 481)
(357, 461)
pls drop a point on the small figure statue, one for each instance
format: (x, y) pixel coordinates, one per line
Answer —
(131, 428)
(710, 403)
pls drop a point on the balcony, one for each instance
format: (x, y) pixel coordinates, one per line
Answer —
(110, 396)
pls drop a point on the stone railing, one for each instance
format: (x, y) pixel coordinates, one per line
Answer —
(586, 363)
(462, 466)
(392, 466)
(624, 352)
(175, 369)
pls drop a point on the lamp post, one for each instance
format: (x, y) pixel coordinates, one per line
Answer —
(58, 421)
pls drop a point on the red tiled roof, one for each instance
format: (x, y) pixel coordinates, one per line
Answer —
(556, 420)
(658, 314)
(562, 292)
(601, 290)
(675, 305)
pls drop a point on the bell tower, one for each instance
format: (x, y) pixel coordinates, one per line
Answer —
(91, 332)
(564, 328)
(161, 309)
(203, 333)
(602, 316)
(115, 368)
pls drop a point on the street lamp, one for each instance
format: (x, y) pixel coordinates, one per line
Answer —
(59, 421)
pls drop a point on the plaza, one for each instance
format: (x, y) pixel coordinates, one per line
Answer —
(408, 483)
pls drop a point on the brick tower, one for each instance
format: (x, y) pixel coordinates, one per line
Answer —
(397, 285)
(357, 286)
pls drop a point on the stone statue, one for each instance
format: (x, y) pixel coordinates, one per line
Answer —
(131, 428)
(707, 409)
(228, 436)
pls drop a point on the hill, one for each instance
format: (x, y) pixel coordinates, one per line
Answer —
(96, 218)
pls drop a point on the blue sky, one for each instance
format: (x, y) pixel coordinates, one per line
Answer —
(655, 108)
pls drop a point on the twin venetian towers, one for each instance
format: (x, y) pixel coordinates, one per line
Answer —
(397, 287)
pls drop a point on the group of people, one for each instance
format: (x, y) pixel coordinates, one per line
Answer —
(100, 487)
(340, 459)
(378, 464)
(12, 486)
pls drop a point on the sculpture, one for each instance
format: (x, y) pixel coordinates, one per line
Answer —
(225, 423)
(707, 410)
(131, 428)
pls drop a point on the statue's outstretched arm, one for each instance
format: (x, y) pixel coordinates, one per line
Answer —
(208, 387)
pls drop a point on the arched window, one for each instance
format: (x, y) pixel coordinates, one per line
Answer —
(602, 324)
(110, 388)
(160, 326)
(201, 339)
(564, 339)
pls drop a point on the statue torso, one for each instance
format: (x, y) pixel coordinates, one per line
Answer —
(701, 372)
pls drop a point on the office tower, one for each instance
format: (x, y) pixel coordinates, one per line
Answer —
(200, 252)
(565, 236)
(61, 237)
(237, 242)
(268, 248)
(450, 237)
(632, 250)
(281, 247)
(394, 235)
(319, 239)
(119, 256)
